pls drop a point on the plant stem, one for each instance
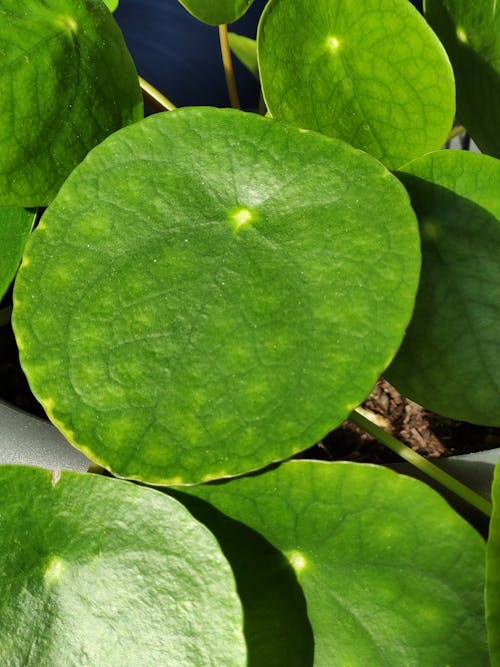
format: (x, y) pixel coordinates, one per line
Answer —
(5, 314)
(455, 131)
(153, 94)
(227, 61)
(423, 464)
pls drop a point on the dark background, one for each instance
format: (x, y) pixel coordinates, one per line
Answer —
(180, 55)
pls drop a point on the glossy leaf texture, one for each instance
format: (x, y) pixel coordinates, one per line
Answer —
(237, 293)
(102, 572)
(111, 4)
(493, 574)
(67, 81)
(370, 73)
(215, 12)
(450, 359)
(391, 574)
(470, 31)
(15, 227)
(245, 49)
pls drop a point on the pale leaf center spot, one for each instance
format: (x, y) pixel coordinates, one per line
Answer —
(462, 35)
(430, 231)
(67, 23)
(333, 43)
(242, 217)
(54, 569)
(298, 561)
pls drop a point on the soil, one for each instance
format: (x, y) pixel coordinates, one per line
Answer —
(426, 432)
(430, 434)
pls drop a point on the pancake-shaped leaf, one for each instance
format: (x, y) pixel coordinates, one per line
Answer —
(370, 73)
(277, 628)
(15, 226)
(450, 359)
(470, 31)
(245, 49)
(391, 574)
(215, 12)
(97, 571)
(493, 574)
(66, 82)
(212, 291)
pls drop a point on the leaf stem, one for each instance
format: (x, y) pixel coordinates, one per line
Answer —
(152, 94)
(455, 132)
(227, 61)
(423, 464)
(5, 315)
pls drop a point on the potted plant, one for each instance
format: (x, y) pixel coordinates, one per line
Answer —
(210, 291)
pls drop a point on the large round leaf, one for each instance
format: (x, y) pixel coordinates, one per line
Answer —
(216, 12)
(470, 31)
(371, 73)
(66, 82)
(15, 226)
(450, 359)
(493, 574)
(101, 572)
(391, 574)
(212, 291)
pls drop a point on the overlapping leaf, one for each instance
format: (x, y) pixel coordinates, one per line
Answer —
(238, 289)
(391, 574)
(15, 226)
(215, 12)
(67, 81)
(245, 49)
(470, 32)
(277, 628)
(450, 359)
(370, 73)
(96, 571)
(493, 575)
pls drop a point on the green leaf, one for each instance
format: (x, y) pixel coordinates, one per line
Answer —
(15, 227)
(215, 12)
(493, 574)
(111, 4)
(450, 359)
(470, 31)
(245, 49)
(102, 572)
(391, 574)
(67, 81)
(277, 629)
(238, 291)
(370, 73)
